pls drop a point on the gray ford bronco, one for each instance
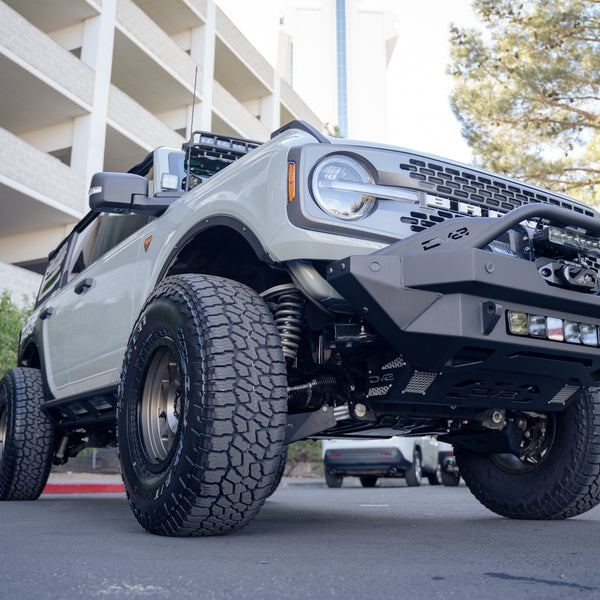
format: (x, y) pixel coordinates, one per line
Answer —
(223, 300)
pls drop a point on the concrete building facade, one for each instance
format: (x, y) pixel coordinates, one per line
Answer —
(92, 85)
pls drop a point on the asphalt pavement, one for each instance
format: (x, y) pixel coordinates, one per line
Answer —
(308, 542)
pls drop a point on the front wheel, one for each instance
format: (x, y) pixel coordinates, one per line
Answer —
(202, 407)
(414, 475)
(561, 480)
(436, 478)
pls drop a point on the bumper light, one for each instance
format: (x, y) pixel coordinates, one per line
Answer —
(552, 328)
(568, 239)
(589, 334)
(517, 323)
(572, 332)
(537, 326)
(555, 329)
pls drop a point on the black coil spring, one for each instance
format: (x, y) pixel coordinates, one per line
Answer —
(288, 319)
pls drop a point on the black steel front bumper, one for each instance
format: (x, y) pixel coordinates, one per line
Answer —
(440, 300)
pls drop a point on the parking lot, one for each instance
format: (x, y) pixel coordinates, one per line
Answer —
(308, 542)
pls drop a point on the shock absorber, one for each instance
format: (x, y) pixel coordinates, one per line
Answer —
(308, 395)
(287, 304)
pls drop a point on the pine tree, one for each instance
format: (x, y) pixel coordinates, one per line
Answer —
(527, 91)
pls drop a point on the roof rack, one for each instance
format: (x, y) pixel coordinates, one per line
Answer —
(216, 145)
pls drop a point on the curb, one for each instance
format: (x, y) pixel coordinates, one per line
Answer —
(85, 483)
(84, 488)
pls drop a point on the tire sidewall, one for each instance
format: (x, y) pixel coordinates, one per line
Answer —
(547, 491)
(160, 324)
(29, 435)
(7, 392)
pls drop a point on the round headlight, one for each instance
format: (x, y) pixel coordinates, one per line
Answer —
(336, 183)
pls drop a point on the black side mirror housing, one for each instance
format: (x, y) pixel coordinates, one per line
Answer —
(116, 192)
(125, 193)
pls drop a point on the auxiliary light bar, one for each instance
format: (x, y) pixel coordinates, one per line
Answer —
(552, 328)
(563, 238)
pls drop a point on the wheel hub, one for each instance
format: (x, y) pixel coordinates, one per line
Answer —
(160, 406)
(538, 438)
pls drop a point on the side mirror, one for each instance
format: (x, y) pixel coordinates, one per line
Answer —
(117, 192)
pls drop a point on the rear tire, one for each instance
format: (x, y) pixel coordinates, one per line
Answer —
(333, 480)
(368, 481)
(202, 407)
(563, 482)
(26, 435)
(414, 475)
(450, 479)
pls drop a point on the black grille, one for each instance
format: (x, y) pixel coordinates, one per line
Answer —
(485, 191)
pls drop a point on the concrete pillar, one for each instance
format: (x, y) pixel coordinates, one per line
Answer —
(202, 50)
(270, 106)
(89, 131)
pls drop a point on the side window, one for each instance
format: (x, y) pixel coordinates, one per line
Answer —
(84, 248)
(113, 229)
(53, 275)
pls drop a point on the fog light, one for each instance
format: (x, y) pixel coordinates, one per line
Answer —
(589, 334)
(572, 332)
(517, 323)
(537, 326)
(555, 329)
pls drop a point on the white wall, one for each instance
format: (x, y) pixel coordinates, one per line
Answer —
(19, 282)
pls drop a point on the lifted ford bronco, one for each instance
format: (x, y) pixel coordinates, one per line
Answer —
(209, 310)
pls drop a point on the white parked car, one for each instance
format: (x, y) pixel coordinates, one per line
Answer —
(370, 459)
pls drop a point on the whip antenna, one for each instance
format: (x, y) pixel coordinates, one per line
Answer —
(189, 149)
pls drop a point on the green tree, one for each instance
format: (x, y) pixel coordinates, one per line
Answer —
(11, 320)
(527, 91)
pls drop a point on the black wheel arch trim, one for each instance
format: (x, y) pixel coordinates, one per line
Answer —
(216, 221)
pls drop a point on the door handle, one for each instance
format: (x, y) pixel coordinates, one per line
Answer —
(47, 312)
(84, 286)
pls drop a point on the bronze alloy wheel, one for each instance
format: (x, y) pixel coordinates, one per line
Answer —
(160, 405)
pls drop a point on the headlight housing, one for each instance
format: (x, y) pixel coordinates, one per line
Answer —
(336, 186)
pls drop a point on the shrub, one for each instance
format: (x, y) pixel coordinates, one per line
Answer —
(12, 318)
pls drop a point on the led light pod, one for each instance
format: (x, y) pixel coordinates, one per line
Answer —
(589, 334)
(572, 332)
(517, 323)
(537, 326)
(555, 329)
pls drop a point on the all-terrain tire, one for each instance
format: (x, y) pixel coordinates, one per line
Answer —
(280, 470)
(414, 475)
(26, 435)
(564, 483)
(202, 407)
